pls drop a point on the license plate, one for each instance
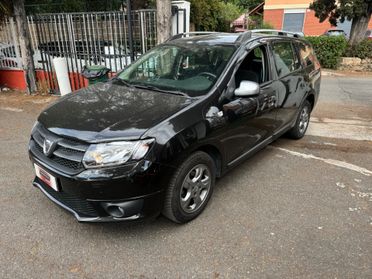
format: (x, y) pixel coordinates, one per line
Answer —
(46, 177)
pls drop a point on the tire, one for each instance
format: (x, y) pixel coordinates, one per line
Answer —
(190, 188)
(302, 122)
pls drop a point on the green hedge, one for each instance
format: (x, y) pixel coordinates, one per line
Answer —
(328, 50)
(362, 50)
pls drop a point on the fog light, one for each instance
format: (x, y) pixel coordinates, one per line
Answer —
(115, 211)
(123, 209)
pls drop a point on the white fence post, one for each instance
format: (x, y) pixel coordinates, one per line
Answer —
(15, 42)
(181, 19)
(60, 66)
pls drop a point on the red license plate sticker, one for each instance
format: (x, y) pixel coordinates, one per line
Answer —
(46, 177)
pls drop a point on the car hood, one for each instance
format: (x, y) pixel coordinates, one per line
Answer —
(110, 111)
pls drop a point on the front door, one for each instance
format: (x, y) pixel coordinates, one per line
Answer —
(256, 122)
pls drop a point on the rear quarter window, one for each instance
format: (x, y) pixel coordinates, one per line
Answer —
(307, 55)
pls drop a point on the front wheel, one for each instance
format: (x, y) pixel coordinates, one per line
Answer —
(190, 188)
(302, 122)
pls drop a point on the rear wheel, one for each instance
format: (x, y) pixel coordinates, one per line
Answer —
(302, 122)
(190, 188)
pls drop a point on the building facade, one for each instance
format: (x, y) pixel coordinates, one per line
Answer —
(295, 15)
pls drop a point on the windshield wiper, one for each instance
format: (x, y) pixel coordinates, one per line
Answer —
(122, 81)
(154, 88)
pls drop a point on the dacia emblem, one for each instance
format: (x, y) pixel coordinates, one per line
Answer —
(48, 147)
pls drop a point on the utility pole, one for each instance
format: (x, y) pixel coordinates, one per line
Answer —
(163, 16)
(25, 44)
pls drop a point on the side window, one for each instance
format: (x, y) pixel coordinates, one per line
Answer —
(306, 54)
(285, 59)
(254, 67)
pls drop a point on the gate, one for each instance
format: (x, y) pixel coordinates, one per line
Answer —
(111, 39)
(98, 38)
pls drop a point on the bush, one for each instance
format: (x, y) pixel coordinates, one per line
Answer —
(328, 50)
(362, 50)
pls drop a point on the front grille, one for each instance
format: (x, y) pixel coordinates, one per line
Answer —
(67, 155)
(80, 206)
(67, 163)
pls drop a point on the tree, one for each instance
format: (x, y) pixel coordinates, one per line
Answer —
(228, 12)
(16, 8)
(246, 4)
(25, 44)
(163, 16)
(358, 11)
(213, 15)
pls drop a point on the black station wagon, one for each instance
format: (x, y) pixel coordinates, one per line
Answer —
(154, 138)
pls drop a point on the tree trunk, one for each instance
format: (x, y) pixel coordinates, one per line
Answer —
(25, 44)
(359, 27)
(164, 15)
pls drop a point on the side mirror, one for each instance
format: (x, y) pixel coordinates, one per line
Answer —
(247, 89)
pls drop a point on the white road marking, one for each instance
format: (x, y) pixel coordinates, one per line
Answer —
(333, 162)
(11, 109)
(353, 129)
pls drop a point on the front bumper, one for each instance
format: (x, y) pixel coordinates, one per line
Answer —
(128, 197)
(88, 211)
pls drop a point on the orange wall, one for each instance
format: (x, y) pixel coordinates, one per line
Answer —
(13, 79)
(312, 26)
(274, 17)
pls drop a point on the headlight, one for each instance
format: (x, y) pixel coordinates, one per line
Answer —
(115, 153)
(34, 126)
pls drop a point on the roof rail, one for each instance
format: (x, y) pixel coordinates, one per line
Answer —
(279, 32)
(244, 36)
(181, 35)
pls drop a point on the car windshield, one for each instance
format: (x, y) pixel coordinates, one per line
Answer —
(190, 69)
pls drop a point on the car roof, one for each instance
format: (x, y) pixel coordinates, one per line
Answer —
(220, 38)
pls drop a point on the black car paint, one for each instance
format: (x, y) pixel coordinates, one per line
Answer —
(105, 111)
(180, 125)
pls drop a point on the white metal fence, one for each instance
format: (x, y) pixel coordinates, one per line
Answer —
(10, 57)
(112, 39)
(99, 38)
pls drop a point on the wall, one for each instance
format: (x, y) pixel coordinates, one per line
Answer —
(274, 17)
(274, 12)
(13, 79)
(312, 26)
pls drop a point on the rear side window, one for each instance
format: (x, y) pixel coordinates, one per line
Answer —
(307, 55)
(285, 59)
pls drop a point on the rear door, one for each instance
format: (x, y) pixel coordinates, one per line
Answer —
(290, 83)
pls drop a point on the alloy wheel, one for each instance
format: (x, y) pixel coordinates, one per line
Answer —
(304, 120)
(195, 188)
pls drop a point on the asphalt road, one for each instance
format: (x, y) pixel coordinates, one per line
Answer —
(296, 209)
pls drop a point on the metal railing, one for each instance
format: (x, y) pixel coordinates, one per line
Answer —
(99, 38)
(111, 39)
(10, 57)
